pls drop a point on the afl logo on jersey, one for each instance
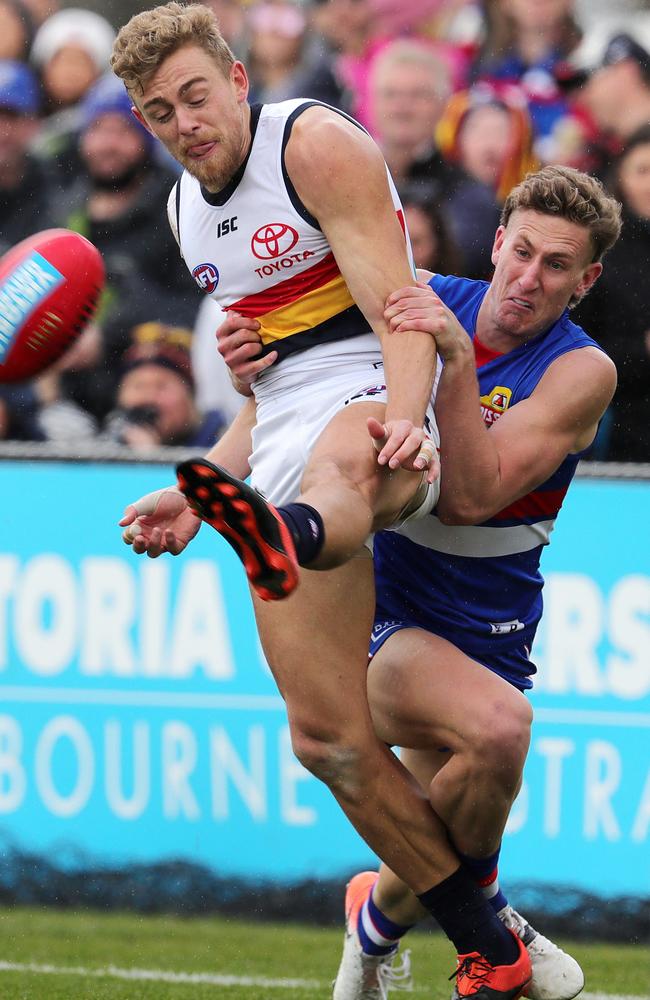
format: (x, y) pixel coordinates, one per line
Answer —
(273, 240)
(206, 277)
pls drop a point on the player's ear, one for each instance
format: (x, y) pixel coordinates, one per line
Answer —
(591, 274)
(498, 243)
(137, 114)
(239, 77)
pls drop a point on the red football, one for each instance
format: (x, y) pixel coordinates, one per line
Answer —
(49, 288)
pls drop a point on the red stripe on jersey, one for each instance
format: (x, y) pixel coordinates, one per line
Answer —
(400, 216)
(538, 503)
(286, 292)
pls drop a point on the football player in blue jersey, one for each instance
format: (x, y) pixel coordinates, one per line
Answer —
(519, 399)
(429, 687)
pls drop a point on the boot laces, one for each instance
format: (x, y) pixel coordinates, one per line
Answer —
(396, 977)
(476, 968)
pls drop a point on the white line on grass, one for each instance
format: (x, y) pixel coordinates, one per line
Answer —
(213, 979)
(160, 975)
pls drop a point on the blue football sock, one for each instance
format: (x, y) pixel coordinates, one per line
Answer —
(377, 933)
(307, 531)
(486, 874)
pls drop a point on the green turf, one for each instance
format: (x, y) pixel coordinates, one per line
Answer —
(91, 940)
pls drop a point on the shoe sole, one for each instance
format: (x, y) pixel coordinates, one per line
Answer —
(248, 522)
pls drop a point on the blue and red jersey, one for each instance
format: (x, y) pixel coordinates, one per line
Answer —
(480, 586)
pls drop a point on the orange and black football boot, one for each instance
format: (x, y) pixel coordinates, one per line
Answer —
(477, 979)
(250, 524)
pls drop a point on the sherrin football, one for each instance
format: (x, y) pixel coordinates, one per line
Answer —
(49, 289)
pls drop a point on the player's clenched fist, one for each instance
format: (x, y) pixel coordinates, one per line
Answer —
(418, 307)
(159, 522)
(240, 346)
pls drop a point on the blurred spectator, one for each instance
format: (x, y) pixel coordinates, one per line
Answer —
(617, 94)
(19, 414)
(231, 15)
(524, 42)
(121, 206)
(17, 30)
(359, 30)
(617, 311)
(24, 195)
(282, 62)
(155, 396)
(431, 241)
(487, 131)
(71, 51)
(410, 86)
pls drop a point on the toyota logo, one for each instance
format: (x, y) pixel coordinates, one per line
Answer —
(273, 240)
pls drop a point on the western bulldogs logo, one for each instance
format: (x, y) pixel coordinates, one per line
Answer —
(273, 240)
(495, 403)
(206, 277)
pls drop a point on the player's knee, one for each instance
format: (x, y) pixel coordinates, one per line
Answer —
(334, 761)
(502, 742)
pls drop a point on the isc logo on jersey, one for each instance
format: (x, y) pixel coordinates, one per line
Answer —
(495, 403)
(274, 243)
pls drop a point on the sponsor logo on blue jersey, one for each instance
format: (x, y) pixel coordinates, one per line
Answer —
(21, 293)
(495, 403)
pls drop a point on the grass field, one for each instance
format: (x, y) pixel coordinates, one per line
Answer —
(61, 955)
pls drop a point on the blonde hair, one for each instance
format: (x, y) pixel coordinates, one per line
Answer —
(573, 195)
(150, 37)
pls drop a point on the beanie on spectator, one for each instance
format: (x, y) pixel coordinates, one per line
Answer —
(157, 343)
(108, 96)
(19, 90)
(74, 26)
(521, 158)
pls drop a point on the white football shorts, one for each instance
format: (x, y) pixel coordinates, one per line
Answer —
(297, 401)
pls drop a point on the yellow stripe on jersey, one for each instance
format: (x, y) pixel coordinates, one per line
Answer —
(306, 312)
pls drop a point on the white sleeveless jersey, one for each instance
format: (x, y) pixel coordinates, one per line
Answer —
(254, 247)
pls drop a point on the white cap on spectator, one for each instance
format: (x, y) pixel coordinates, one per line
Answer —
(74, 26)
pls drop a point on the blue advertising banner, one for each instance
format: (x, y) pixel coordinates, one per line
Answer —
(139, 720)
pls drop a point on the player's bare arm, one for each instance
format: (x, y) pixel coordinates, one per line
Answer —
(528, 443)
(341, 178)
(485, 470)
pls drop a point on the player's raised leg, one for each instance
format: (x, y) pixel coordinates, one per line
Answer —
(345, 496)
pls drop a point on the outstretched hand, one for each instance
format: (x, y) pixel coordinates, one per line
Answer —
(159, 522)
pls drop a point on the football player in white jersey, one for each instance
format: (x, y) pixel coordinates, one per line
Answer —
(190, 92)
(416, 675)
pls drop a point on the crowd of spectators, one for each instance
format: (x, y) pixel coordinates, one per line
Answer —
(463, 96)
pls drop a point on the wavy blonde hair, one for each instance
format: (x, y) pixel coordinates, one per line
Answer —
(150, 37)
(569, 194)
